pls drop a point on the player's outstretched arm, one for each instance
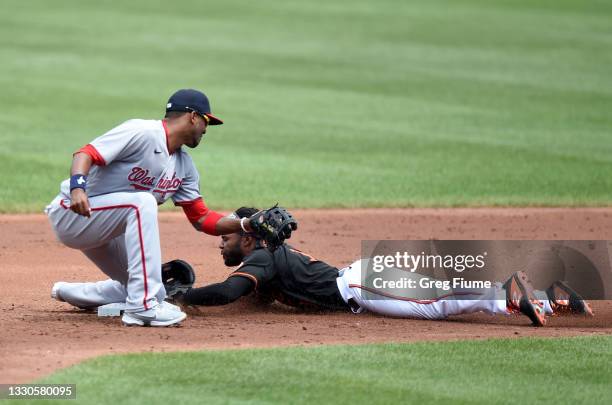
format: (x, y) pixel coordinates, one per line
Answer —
(79, 203)
(227, 225)
(220, 293)
(208, 221)
(273, 225)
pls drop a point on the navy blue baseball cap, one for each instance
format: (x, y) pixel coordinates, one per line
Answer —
(186, 100)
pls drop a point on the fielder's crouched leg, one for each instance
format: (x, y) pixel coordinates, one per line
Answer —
(133, 217)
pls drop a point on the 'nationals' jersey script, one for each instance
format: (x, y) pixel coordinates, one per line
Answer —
(293, 278)
(134, 157)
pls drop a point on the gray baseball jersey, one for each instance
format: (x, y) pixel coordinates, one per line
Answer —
(134, 157)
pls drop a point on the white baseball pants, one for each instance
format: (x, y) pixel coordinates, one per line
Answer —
(493, 301)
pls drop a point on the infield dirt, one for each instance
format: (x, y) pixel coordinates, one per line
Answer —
(39, 335)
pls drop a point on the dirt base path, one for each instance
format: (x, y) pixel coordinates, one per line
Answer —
(39, 335)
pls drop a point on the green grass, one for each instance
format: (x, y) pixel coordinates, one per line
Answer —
(326, 102)
(508, 371)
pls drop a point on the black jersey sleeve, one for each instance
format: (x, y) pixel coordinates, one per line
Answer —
(258, 267)
(220, 293)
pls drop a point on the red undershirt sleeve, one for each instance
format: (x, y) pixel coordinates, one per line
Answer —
(96, 158)
(196, 209)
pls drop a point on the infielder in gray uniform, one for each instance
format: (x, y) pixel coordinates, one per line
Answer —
(108, 207)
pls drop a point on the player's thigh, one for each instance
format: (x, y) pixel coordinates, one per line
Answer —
(111, 258)
(109, 218)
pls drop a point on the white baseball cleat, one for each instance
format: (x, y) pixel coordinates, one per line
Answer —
(55, 291)
(165, 314)
(172, 306)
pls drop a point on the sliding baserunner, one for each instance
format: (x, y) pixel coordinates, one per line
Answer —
(297, 279)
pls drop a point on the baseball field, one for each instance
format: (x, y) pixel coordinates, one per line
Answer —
(458, 119)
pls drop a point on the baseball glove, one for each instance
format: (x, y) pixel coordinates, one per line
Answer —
(178, 277)
(273, 225)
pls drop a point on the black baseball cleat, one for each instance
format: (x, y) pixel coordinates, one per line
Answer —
(563, 299)
(520, 298)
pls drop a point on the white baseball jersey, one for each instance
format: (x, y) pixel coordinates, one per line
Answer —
(134, 157)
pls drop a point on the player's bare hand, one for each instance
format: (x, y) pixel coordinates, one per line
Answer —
(79, 202)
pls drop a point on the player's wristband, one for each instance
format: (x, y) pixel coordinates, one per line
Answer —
(78, 181)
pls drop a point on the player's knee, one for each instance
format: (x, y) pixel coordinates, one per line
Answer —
(147, 202)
